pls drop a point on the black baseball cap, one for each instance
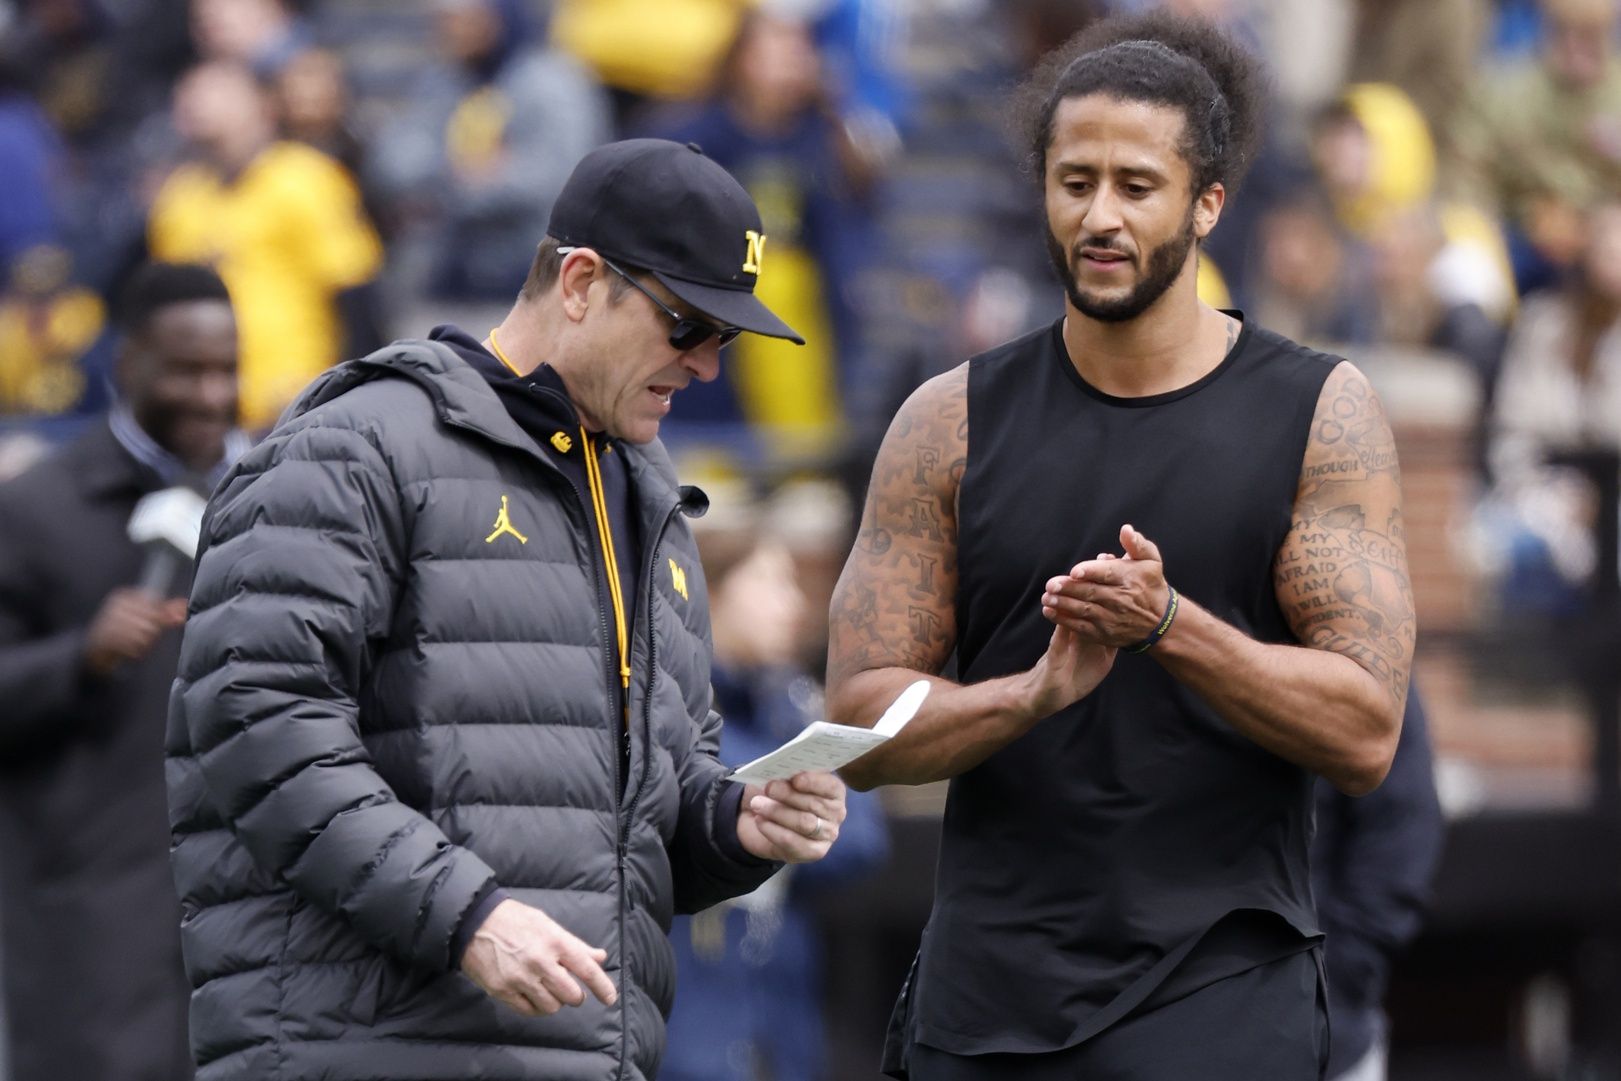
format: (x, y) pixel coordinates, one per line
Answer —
(667, 208)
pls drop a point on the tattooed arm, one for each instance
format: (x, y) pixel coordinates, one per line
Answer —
(894, 611)
(1333, 706)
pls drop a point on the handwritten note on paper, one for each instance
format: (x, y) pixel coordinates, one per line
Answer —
(828, 746)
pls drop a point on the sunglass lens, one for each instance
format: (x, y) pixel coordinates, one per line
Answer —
(689, 334)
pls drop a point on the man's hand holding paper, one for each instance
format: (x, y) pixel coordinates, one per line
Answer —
(794, 803)
(794, 820)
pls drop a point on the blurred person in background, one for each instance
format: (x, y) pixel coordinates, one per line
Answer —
(33, 163)
(1314, 281)
(862, 44)
(1372, 860)
(1428, 296)
(1560, 389)
(54, 349)
(1429, 48)
(771, 122)
(94, 987)
(749, 971)
(55, 346)
(652, 52)
(313, 106)
(263, 35)
(1372, 152)
(1540, 142)
(285, 226)
(101, 72)
(476, 157)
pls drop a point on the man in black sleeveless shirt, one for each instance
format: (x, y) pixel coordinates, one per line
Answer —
(1165, 547)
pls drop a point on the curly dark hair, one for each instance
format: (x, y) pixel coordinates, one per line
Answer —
(1162, 59)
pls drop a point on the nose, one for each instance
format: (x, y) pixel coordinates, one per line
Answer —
(1102, 215)
(703, 362)
(217, 393)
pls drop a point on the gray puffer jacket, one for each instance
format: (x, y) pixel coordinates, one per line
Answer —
(385, 703)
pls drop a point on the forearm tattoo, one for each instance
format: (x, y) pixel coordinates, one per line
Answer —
(895, 604)
(1341, 576)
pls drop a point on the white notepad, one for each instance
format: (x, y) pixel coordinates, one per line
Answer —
(828, 746)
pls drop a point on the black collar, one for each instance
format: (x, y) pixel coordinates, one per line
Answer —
(539, 401)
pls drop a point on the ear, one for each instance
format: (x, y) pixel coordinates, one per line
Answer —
(581, 268)
(1207, 210)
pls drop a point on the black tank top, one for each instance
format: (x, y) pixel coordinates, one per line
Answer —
(1081, 865)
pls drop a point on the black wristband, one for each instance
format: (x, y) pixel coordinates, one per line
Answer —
(1158, 632)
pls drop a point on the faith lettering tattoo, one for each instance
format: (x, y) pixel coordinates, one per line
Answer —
(895, 602)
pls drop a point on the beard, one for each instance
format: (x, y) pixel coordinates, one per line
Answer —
(1163, 267)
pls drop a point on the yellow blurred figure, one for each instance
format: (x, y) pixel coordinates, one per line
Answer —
(1401, 162)
(1212, 285)
(286, 230)
(662, 48)
(47, 323)
(1377, 160)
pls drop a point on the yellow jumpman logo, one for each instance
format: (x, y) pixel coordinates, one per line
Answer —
(503, 524)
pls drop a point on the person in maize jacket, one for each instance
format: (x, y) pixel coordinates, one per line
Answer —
(441, 758)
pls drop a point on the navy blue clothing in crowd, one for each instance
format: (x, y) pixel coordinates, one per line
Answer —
(748, 973)
(1372, 862)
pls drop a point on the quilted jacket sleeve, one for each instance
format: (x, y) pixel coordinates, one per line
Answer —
(304, 552)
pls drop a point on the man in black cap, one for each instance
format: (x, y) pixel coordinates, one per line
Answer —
(442, 763)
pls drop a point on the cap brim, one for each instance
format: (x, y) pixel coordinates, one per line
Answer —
(734, 307)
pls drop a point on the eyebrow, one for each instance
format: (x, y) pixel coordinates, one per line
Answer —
(1147, 172)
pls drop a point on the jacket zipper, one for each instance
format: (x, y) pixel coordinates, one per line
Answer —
(593, 474)
(652, 674)
(599, 563)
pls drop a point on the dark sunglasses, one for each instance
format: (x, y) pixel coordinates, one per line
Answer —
(688, 333)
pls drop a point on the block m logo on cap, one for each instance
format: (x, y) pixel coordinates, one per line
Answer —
(756, 252)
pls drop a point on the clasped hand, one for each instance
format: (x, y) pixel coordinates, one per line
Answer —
(1111, 600)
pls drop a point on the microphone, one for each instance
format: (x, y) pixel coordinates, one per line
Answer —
(168, 524)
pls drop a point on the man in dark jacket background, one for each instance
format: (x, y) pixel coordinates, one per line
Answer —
(1373, 859)
(93, 982)
(442, 762)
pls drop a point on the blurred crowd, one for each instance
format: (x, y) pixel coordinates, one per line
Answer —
(1441, 176)
(1441, 180)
